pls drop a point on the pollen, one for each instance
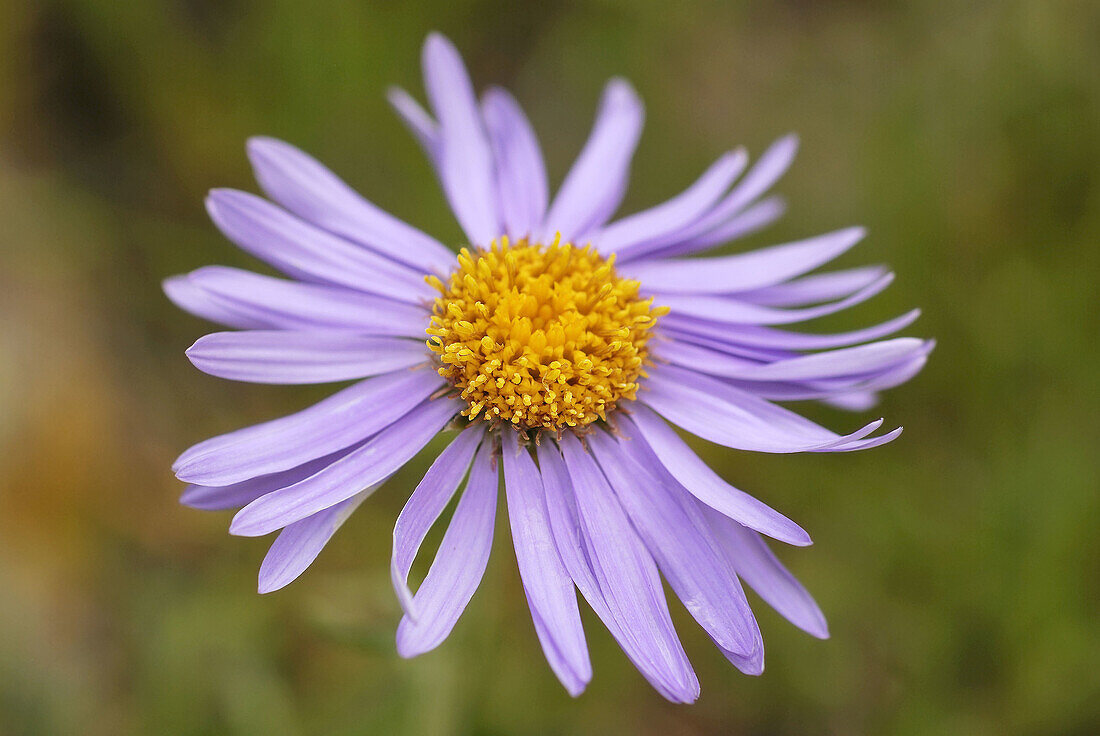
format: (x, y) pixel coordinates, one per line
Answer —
(542, 336)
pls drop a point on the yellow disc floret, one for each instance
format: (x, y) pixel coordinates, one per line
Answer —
(544, 337)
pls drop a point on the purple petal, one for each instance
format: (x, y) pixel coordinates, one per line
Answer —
(859, 401)
(424, 506)
(565, 524)
(465, 158)
(549, 589)
(721, 413)
(752, 220)
(627, 575)
(863, 359)
(190, 298)
(725, 309)
(380, 456)
(291, 305)
(758, 566)
(459, 564)
(702, 482)
(309, 253)
(815, 289)
(743, 271)
(752, 663)
(307, 188)
(417, 120)
(594, 187)
(521, 173)
(332, 424)
(279, 356)
(677, 536)
(298, 545)
(631, 235)
(768, 338)
(236, 495)
(771, 165)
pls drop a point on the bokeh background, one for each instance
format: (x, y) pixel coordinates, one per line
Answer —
(959, 566)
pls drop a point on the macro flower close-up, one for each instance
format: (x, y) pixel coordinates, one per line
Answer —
(473, 368)
(561, 348)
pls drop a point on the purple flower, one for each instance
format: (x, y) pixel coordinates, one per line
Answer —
(558, 345)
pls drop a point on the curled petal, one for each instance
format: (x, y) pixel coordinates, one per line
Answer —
(298, 545)
(459, 564)
(424, 506)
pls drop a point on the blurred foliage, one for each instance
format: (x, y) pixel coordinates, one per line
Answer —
(959, 566)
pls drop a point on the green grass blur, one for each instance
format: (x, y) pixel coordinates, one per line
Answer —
(959, 567)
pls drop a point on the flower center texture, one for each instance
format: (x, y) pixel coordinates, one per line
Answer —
(545, 337)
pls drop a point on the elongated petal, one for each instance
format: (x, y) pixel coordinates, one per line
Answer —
(752, 220)
(290, 305)
(417, 120)
(767, 170)
(549, 589)
(424, 506)
(772, 339)
(721, 413)
(190, 298)
(677, 536)
(242, 493)
(703, 483)
(298, 545)
(307, 188)
(631, 234)
(744, 271)
(521, 173)
(758, 566)
(734, 311)
(373, 462)
(307, 252)
(594, 187)
(565, 524)
(626, 573)
(465, 158)
(459, 564)
(279, 356)
(852, 393)
(814, 289)
(350, 415)
(863, 359)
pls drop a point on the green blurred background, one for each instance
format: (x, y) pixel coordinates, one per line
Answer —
(959, 567)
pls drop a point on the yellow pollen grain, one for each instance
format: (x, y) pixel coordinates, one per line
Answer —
(545, 337)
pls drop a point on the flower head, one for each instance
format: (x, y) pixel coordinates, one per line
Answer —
(554, 347)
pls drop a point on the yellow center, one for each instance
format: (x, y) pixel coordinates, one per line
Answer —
(545, 337)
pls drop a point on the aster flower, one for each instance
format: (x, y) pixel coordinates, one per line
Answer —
(554, 349)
